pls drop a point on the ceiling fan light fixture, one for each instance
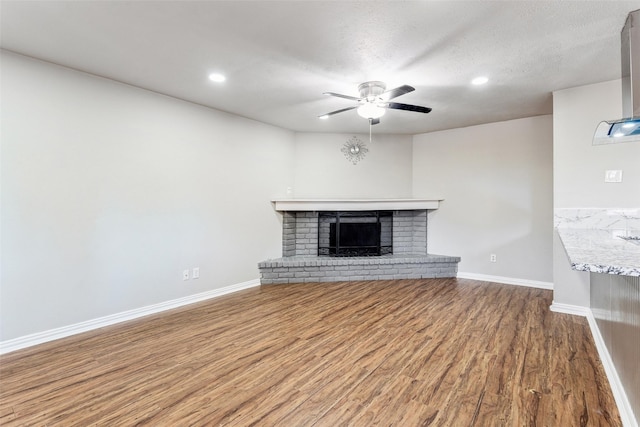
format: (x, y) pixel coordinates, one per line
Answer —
(371, 111)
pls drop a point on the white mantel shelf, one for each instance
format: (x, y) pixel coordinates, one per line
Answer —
(300, 205)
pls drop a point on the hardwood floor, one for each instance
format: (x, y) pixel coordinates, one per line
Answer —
(440, 352)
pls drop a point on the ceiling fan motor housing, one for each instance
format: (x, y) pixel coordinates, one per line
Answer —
(369, 91)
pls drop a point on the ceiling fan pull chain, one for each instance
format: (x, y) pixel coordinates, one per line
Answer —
(370, 124)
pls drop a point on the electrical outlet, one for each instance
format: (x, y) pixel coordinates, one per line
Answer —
(185, 274)
(493, 258)
(196, 272)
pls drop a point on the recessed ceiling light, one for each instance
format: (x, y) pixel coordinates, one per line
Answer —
(479, 80)
(324, 117)
(216, 77)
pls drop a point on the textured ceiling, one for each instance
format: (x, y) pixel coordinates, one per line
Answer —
(280, 56)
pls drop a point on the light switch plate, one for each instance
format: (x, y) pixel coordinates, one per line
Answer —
(613, 176)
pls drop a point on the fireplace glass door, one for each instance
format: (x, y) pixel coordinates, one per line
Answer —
(355, 233)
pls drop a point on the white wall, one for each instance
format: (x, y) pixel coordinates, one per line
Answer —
(321, 169)
(579, 169)
(109, 192)
(496, 181)
(579, 166)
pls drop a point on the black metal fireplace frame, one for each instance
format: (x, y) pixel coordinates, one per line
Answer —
(336, 250)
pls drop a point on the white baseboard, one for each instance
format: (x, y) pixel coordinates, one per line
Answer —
(65, 331)
(576, 310)
(619, 395)
(506, 280)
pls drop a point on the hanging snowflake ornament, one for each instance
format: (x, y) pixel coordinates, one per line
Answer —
(354, 150)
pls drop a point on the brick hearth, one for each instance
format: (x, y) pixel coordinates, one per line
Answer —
(307, 269)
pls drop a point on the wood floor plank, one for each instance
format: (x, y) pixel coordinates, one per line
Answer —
(437, 352)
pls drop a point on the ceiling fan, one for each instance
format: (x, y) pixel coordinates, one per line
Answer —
(374, 101)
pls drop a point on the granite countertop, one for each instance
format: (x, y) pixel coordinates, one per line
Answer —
(601, 251)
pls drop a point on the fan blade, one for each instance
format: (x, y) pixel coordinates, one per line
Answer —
(408, 107)
(394, 93)
(353, 98)
(338, 111)
(375, 121)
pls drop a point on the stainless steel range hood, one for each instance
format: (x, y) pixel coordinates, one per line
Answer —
(626, 129)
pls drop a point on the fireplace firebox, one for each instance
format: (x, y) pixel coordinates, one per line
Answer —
(355, 233)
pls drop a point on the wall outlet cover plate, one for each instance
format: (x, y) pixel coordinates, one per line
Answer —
(613, 176)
